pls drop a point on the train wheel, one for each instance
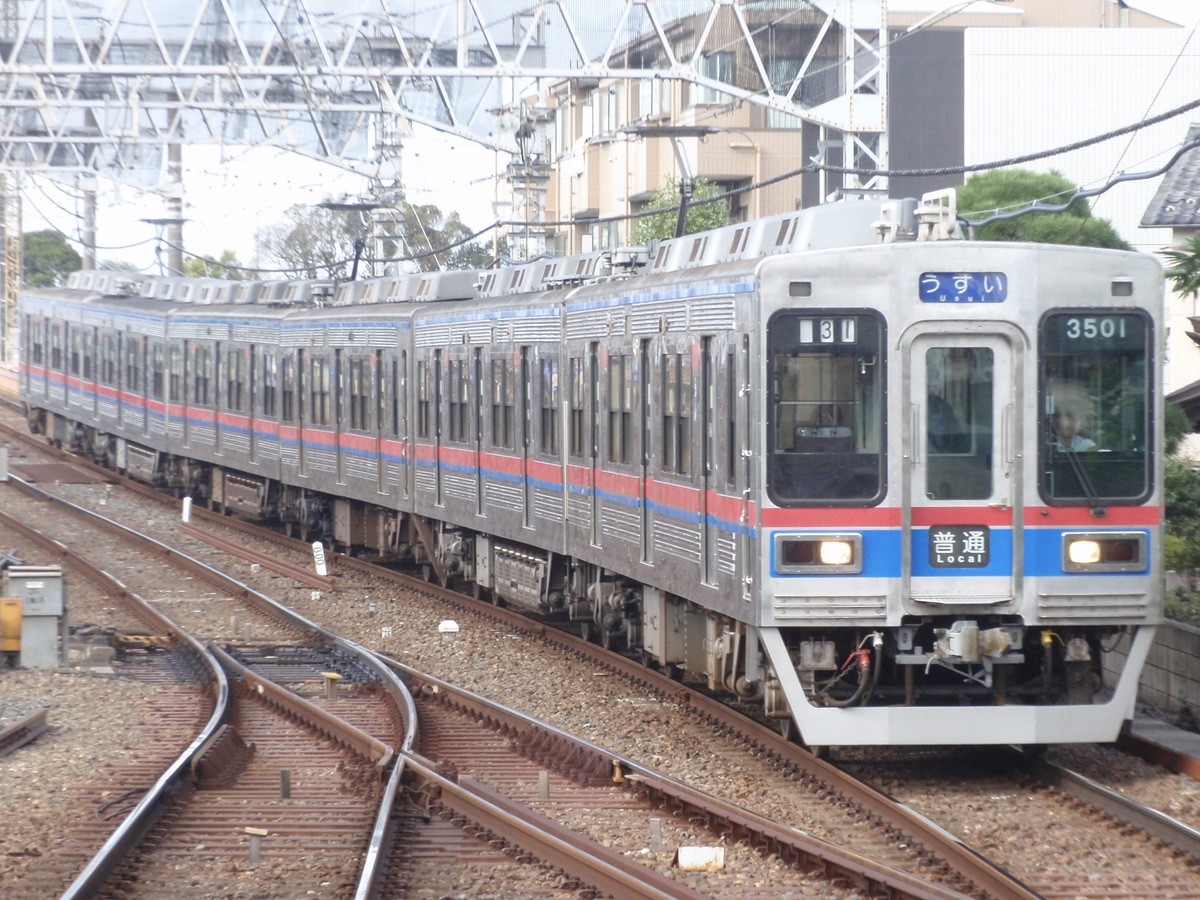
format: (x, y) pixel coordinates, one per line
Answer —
(608, 639)
(786, 728)
(427, 574)
(585, 631)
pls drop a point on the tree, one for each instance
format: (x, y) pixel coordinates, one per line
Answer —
(426, 236)
(1184, 269)
(321, 243)
(1176, 424)
(311, 242)
(1007, 189)
(117, 265)
(700, 216)
(226, 266)
(48, 258)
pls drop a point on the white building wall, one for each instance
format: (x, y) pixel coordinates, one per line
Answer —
(1034, 89)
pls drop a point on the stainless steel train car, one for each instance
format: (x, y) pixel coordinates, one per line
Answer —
(890, 485)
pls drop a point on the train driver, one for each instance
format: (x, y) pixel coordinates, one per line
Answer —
(1068, 420)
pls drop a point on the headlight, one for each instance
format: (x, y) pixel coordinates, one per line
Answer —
(836, 553)
(1083, 552)
(818, 554)
(1104, 552)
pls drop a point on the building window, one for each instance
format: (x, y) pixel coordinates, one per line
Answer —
(719, 67)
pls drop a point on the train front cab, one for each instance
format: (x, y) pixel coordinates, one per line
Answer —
(961, 588)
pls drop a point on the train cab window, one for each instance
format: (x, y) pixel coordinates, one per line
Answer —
(825, 410)
(1095, 416)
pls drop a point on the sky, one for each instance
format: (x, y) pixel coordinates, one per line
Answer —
(231, 193)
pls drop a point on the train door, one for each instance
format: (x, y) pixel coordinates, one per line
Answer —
(647, 519)
(302, 380)
(146, 360)
(221, 389)
(187, 372)
(339, 418)
(253, 404)
(383, 401)
(437, 426)
(525, 425)
(709, 472)
(476, 412)
(962, 517)
(402, 424)
(593, 439)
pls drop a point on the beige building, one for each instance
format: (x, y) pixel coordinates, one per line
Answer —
(594, 167)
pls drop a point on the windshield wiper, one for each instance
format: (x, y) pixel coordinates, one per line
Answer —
(1085, 482)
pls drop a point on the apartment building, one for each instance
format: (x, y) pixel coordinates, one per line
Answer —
(962, 84)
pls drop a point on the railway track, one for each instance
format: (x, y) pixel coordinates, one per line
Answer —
(761, 744)
(159, 870)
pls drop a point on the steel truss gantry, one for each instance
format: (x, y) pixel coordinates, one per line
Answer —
(100, 87)
(103, 86)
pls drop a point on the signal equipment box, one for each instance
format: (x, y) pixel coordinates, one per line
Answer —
(43, 620)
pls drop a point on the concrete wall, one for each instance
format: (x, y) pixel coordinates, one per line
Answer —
(1171, 677)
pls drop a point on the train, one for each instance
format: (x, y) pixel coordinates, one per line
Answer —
(821, 461)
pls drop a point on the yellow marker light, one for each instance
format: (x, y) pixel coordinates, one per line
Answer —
(837, 553)
(1083, 553)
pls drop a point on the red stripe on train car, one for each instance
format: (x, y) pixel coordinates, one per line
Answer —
(1081, 516)
(674, 496)
(832, 517)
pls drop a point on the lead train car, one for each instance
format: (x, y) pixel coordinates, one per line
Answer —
(831, 474)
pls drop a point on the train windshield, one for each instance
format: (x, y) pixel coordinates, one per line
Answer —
(1095, 416)
(825, 411)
